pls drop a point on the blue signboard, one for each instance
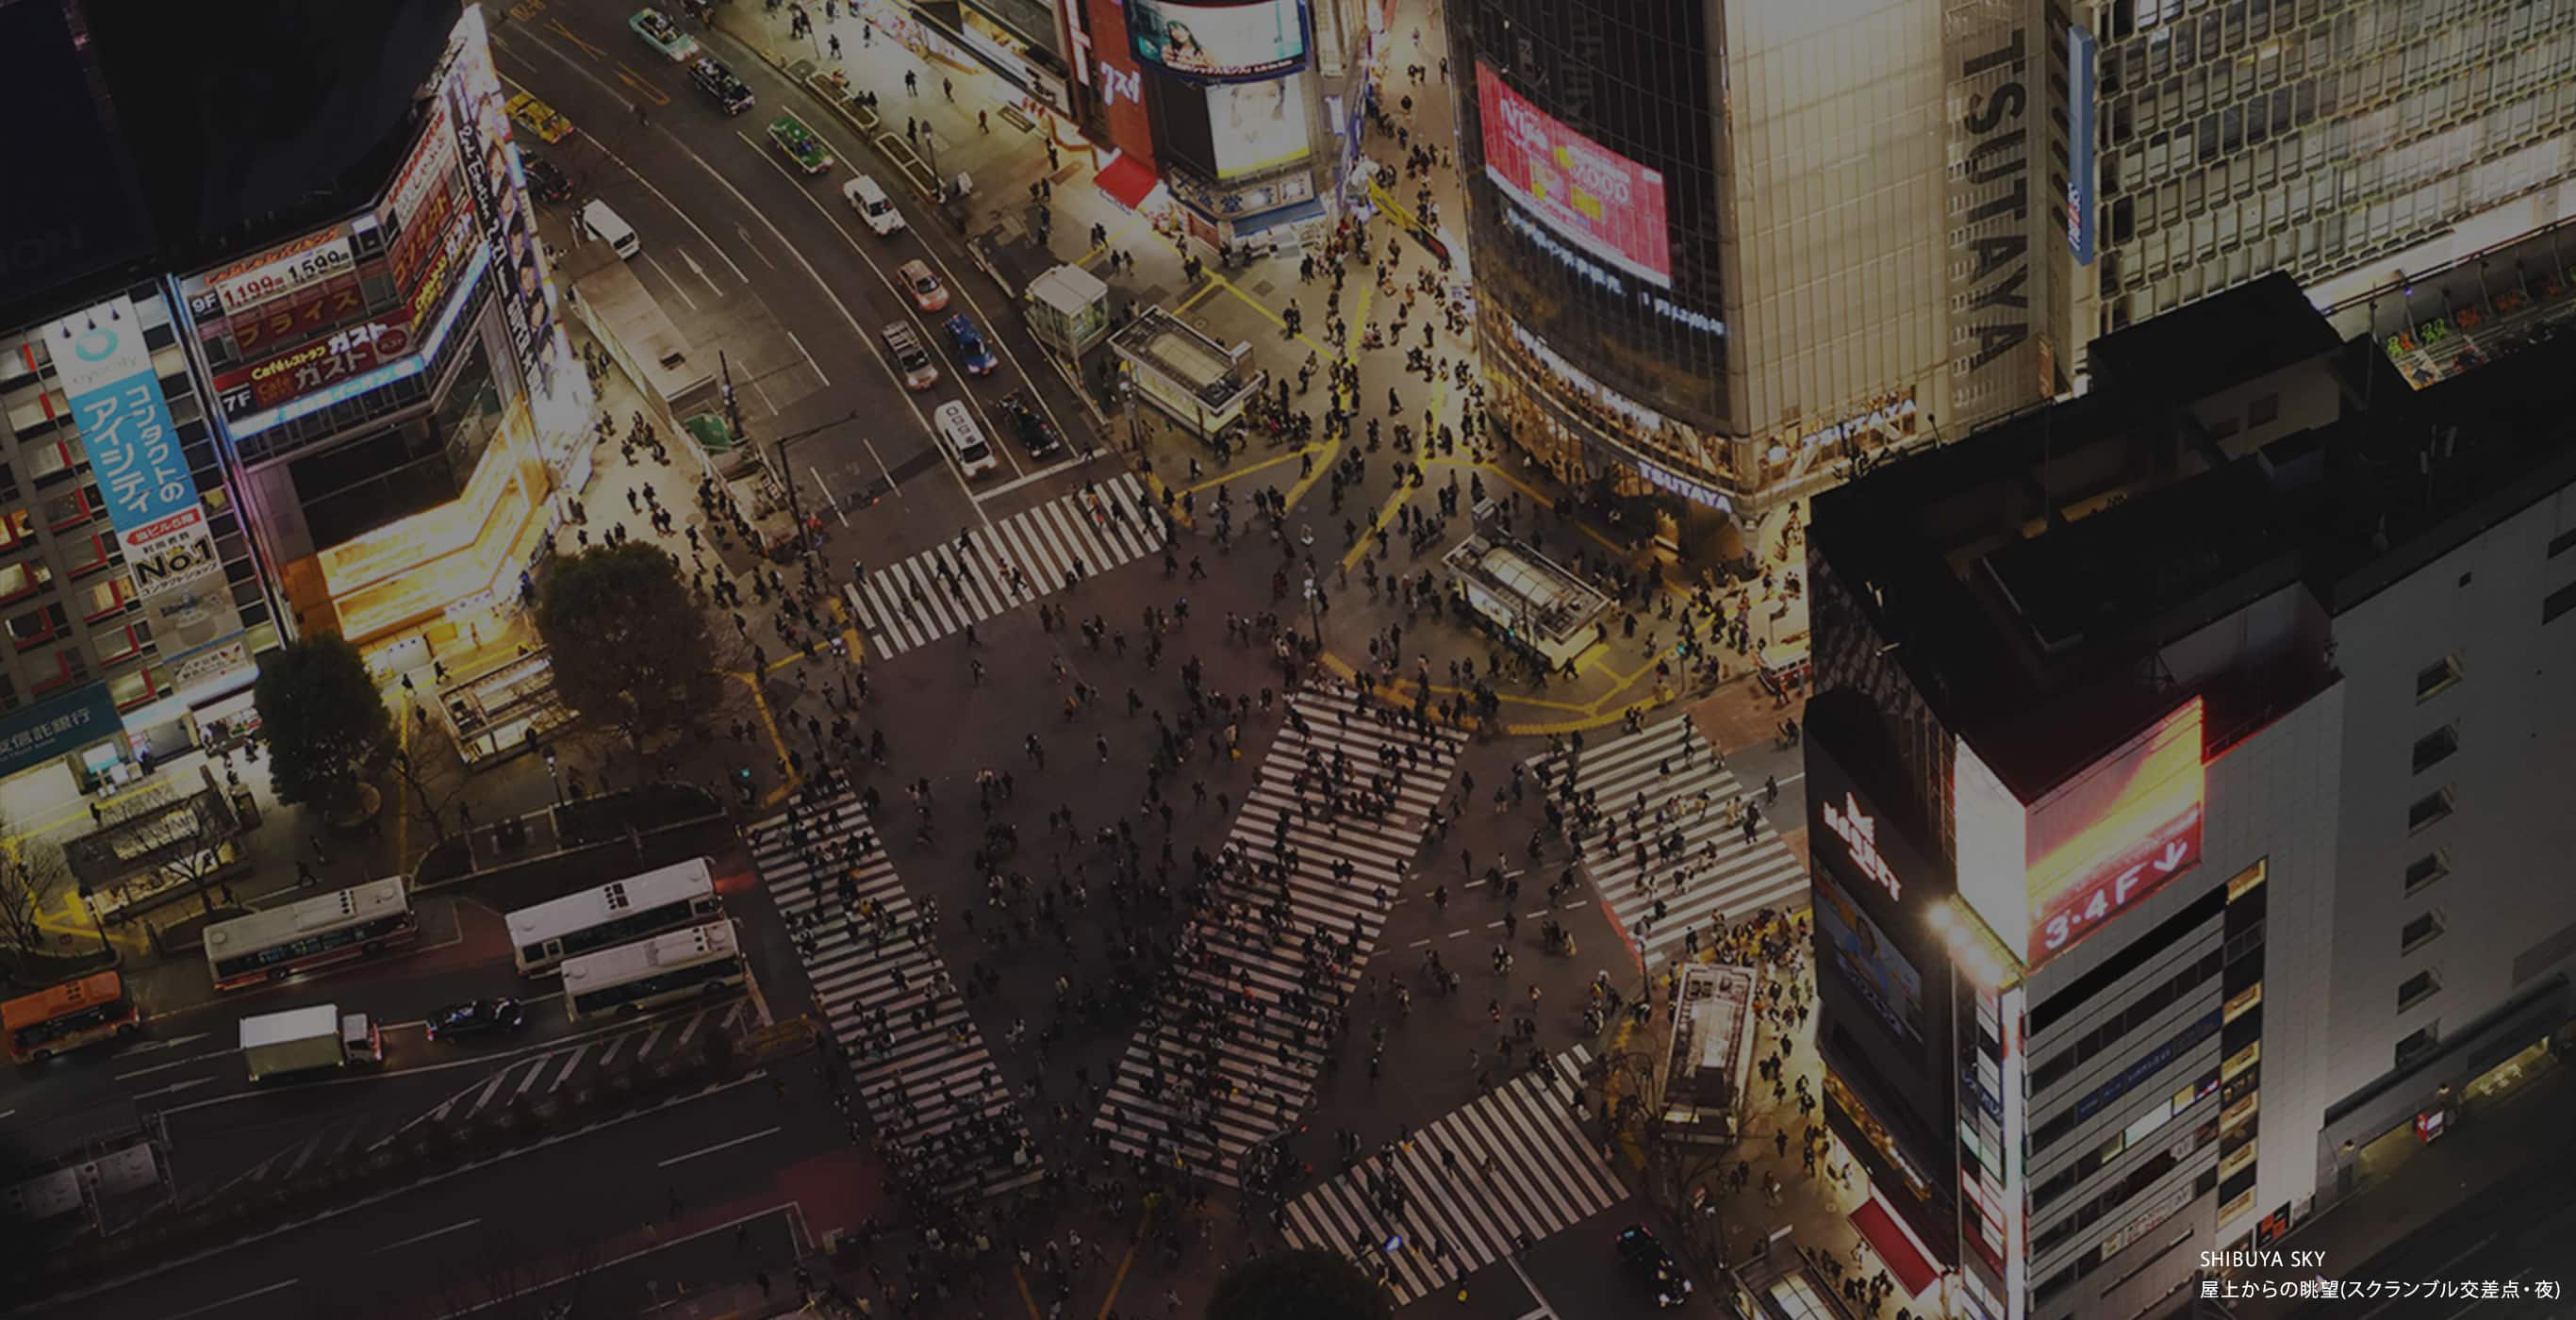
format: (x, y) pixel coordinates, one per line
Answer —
(38, 733)
(115, 395)
(2079, 141)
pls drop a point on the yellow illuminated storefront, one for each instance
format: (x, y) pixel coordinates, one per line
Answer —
(452, 571)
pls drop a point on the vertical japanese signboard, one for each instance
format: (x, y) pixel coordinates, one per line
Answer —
(475, 107)
(115, 394)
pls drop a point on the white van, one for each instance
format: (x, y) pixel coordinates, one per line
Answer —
(875, 210)
(964, 439)
(608, 227)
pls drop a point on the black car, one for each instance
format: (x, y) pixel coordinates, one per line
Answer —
(547, 182)
(1647, 1260)
(713, 78)
(1036, 433)
(477, 1017)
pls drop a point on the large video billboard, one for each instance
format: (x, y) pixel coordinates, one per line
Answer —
(2088, 850)
(1608, 205)
(1870, 960)
(1257, 126)
(1211, 39)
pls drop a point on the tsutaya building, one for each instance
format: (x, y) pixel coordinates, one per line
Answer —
(398, 398)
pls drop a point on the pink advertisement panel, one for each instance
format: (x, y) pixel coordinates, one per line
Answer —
(1607, 204)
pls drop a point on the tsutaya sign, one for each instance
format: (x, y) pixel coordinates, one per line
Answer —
(2011, 283)
(1859, 833)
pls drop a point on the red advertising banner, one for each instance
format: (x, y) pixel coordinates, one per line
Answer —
(1113, 74)
(301, 317)
(1606, 204)
(301, 371)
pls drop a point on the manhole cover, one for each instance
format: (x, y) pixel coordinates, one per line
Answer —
(800, 70)
(1265, 288)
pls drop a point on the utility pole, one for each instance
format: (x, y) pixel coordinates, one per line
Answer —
(787, 472)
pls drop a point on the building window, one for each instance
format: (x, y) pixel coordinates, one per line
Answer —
(2421, 931)
(2418, 1042)
(2558, 602)
(36, 626)
(2429, 810)
(2437, 678)
(105, 598)
(2426, 869)
(2416, 989)
(2436, 747)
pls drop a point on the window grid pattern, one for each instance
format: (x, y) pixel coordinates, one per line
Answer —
(2313, 136)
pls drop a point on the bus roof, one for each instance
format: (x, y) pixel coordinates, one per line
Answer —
(589, 907)
(628, 961)
(292, 1024)
(259, 930)
(55, 1000)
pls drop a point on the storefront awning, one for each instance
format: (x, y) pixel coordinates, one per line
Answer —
(1894, 1246)
(1127, 180)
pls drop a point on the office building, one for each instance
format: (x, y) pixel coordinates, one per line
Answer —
(1728, 255)
(2181, 769)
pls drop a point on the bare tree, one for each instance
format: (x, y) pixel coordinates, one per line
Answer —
(431, 772)
(22, 899)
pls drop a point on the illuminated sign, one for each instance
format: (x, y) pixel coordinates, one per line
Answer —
(472, 89)
(1697, 492)
(1859, 834)
(173, 552)
(1869, 960)
(2109, 836)
(1257, 126)
(34, 734)
(353, 386)
(302, 370)
(1992, 140)
(1895, 415)
(1212, 39)
(283, 269)
(1605, 203)
(115, 393)
(429, 167)
(1546, 242)
(2079, 142)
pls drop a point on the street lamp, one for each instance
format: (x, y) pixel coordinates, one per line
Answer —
(551, 775)
(787, 474)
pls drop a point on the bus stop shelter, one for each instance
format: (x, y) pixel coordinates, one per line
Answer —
(1196, 380)
(157, 847)
(1530, 600)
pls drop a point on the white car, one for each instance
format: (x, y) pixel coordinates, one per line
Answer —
(964, 439)
(875, 209)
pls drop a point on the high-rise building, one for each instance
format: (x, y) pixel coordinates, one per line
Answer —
(2181, 784)
(1725, 252)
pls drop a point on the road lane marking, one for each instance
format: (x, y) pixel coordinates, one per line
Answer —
(595, 52)
(650, 1037)
(150, 1046)
(827, 495)
(939, 447)
(569, 1065)
(177, 1063)
(488, 1088)
(809, 358)
(721, 1145)
(535, 1071)
(457, 1227)
(613, 157)
(1048, 471)
(696, 1020)
(671, 280)
(172, 1089)
(700, 272)
(241, 1297)
(754, 249)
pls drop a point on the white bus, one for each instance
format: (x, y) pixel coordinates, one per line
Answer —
(360, 921)
(700, 961)
(619, 912)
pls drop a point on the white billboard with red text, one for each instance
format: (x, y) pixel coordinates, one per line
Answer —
(1608, 205)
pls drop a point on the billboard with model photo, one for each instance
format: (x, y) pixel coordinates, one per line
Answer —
(1257, 126)
(1210, 39)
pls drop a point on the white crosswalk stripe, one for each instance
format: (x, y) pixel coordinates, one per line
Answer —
(1162, 1105)
(943, 589)
(1716, 873)
(1522, 1168)
(926, 1077)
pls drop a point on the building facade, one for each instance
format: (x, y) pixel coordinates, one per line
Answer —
(2152, 722)
(1778, 240)
(397, 400)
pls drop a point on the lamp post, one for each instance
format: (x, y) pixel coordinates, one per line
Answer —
(553, 776)
(787, 471)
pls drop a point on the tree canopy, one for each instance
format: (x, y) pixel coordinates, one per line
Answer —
(1299, 1285)
(322, 717)
(628, 644)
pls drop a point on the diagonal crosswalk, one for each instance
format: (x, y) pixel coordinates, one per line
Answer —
(920, 1063)
(1511, 1164)
(1662, 795)
(1021, 558)
(1229, 1054)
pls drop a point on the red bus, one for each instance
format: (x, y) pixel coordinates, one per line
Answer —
(68, 1016)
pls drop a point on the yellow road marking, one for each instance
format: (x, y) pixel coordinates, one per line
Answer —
(1270, 462)
(1368, 538)
(1331, 449)
(1119, 1279)
(595, 52)
(643, 86)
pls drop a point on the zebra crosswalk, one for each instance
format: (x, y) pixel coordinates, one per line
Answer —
(1027, 556)
(1663, 798)
(918, 1059)
(1229, 1054)
(1511, 1164)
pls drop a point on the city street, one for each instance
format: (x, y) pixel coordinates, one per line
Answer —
(1258, 910)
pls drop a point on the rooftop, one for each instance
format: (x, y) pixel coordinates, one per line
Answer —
(2035, 579)
(1173, 347)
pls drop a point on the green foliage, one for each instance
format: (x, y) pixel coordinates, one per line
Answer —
(1299, 1285)
(322, 717)
(629, 645)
